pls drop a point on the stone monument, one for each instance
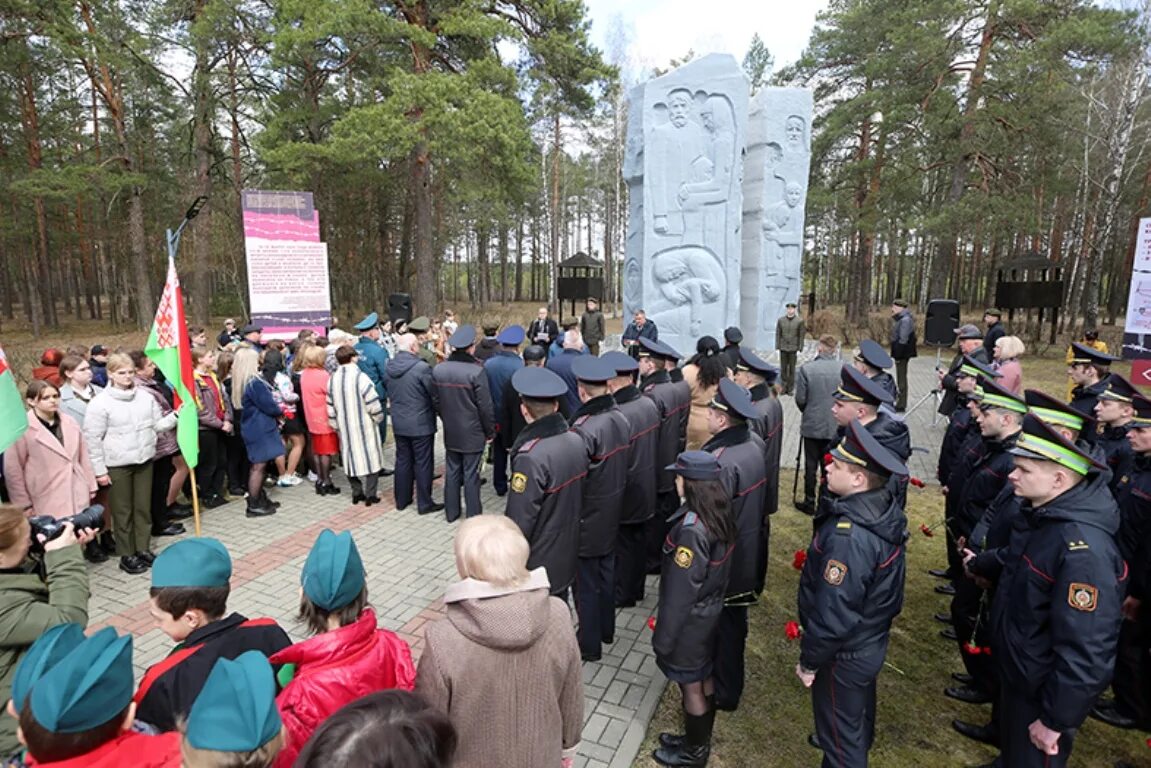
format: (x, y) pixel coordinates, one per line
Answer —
(684, 169)
(775, 178)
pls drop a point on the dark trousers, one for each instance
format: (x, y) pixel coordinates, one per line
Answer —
(162, 471)
(130, 502)
(414, 466)
(238, 464)
(727, 669)
(595, 603)
(971, 619)
(366, 486)
(814, 449)
(593, 347)
(1132, 670)
(657, 529)
(901, 384)
(787, 370)
(212, 464)
(1016, 714)
(630, 573)
(843, 702)
(462, 469)
(383, 427)
(499, 468)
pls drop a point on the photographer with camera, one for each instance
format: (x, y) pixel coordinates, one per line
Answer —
(43, 582)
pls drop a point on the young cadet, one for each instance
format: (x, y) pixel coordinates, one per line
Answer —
(642, 415)
(872, 361)
(1057, 609)
(189, 599)
(655, 383)
(78, 711)
(234, 722)
(1113, 412)
(607, 437)
(739, 452)
(1131, 707)
(549, 463)
(850, 590)
(1089, 369)
(758, 377)
(696, 568)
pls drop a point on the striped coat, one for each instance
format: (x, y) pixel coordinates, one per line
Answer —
(354, 411)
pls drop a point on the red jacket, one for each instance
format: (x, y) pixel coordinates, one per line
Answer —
(336, 668)
(129, 748)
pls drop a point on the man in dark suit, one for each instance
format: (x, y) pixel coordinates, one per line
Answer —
(543, 330)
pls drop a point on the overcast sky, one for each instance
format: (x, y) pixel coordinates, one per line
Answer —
(660, 30)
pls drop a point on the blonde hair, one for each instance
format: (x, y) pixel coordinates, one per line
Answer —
(1010, 347)
(210, 758)
(245, 367)
(120, 360)
(313, 356)
(492, 548)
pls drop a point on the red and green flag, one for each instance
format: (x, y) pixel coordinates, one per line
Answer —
(170, 349)
(13, 419)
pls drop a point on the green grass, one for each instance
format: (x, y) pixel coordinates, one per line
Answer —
(913, 720)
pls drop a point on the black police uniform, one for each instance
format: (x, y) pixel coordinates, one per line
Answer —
(673, 413)
(639, 506)
(1084, 399)
(960, 426)
(1056, 612)
(950, 392)
(1117, 453)
(549, 463)
(768, 425)
(739, 452)
(875, 356)
(850, 590)
(606, 435)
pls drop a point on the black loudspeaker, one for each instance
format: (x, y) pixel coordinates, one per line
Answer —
(400, 307)
(942, 320)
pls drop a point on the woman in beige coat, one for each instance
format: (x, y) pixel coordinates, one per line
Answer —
(702, 373)
(504, 664)
(48, 470)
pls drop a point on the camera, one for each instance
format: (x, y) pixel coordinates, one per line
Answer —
(51, 527)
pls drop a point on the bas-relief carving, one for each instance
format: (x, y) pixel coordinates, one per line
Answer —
(775, 188)
(683, 259)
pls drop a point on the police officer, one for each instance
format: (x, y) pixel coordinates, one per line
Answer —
(373, 361)
(673, 411)
(970, 340)
(1131, 707)
(872, 361)
(758, 377)
(1057, 609)
(606, 436)
(639, 504)
(499, 367)
(549, 463)
(1113, 412)
(696, 568)
(1089, 369)
(850, 590)
(740, 455)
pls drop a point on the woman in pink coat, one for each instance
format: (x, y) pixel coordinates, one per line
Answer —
(47, 470)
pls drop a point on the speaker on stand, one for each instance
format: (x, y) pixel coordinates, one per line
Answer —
(938, 331)
(400, 307)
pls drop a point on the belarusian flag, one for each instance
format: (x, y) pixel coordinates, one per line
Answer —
(170, 349)
(13, 419)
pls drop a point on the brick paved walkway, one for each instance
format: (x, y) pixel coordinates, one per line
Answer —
(409, 562)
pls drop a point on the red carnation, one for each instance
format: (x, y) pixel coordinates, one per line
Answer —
(793, 630)
(971, 649)
(925, 530)
(827, 458)
(916, 482)
(987, 650)
(799, 559)
(651, 623)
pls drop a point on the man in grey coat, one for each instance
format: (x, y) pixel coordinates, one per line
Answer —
(903, 347)
(815, 384)
(465, 406)
(414, 402)
(789, 333)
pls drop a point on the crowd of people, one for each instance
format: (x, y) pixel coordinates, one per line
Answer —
(611, 466)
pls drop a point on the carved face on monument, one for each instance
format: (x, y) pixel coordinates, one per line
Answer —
(795, 131)
(679, 107)
(794, 195)
(774, 155)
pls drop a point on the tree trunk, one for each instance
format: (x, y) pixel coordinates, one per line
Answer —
(202, 152)
(43, 307)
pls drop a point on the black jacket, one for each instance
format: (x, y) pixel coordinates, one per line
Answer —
(673, 425)
(994, 333)
(642, 416)
(1056, 611)
(904, 344)
(960, 426)
(893, 435)
(487, 347)
(413, 396)
(987, 478)
(769, 427)
(548, 328)
(1084, 399)
(730, 355)
(1117, 453)
(511, 419)
(693, 580)
(170, 686)
(851, 587)
(465, 405)
(739, 452)
(607, 436)
(1134, 539)
(545, 493)
(950, 389)
(887, 381)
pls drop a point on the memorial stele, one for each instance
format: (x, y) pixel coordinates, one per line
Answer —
(717, 189)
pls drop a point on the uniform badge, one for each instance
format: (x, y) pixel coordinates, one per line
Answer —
(519, 482)
(683, 557)
(1082, 597)
(834, 572)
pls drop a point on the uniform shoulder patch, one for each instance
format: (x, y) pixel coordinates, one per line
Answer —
(1075, 546)
(690, 519)
(683, 557)
(843, 526)
(529, 445)
(1082, 597)
(581, 420)
(519, 482)
(834, 572)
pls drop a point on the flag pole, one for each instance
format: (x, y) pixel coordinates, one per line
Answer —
(195, 501)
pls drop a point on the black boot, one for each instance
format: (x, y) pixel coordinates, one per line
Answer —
(676, 740)
(265, 501)
(94, 553)
(107, 542)
(696, 748)
(259, 509)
